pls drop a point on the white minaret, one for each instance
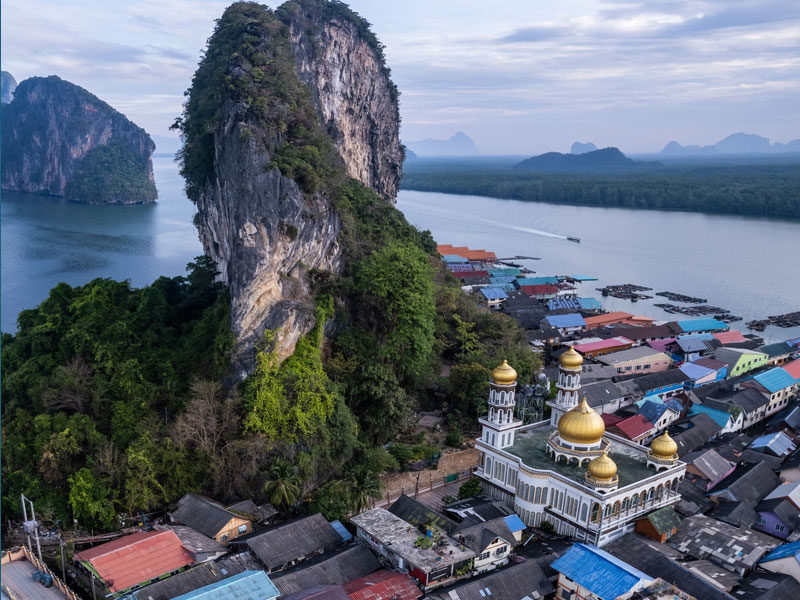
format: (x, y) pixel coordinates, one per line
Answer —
(568, 386)
(499, 424)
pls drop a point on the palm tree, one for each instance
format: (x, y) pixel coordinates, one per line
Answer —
(282, 487)
(366, 486)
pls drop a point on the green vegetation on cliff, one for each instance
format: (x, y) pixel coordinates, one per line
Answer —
(111, 174)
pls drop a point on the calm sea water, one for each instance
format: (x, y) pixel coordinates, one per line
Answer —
(747, 265)
(47, 240)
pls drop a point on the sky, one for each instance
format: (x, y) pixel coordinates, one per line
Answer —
(518, 76)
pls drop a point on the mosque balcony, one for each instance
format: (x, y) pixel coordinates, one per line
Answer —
(660, 460)
(561, 448)
(635, 512)
(602, 484)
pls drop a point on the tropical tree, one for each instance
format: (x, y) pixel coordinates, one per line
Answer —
(366, 487)
(282, 486)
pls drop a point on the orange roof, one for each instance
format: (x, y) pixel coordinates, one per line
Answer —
(640, 319)
(793, 368)
(383, 585)
(614, 317)
(136, 558)
(465, 252)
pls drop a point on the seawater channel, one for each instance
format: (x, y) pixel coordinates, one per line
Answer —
(747, 265)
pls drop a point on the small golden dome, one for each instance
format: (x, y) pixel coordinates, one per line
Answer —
(603, 468)
(581, 425)
(571, 359)
(664, 446)
(504, 374)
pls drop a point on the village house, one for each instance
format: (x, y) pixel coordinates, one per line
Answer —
(248, 585)
(382, 585)
(659, 525)
(777, 385)
(589, 572)
(210, 518)
(641, 359)
(335, 567)
(709, 465)
(593, 349)
(783, 559)
(432, 558)
(740, 361)
(519, 581)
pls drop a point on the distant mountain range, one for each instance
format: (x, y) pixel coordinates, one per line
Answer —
(605, 160)
(581, 148)
(458, 145)
(736, 143)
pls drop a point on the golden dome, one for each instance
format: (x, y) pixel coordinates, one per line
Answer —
(504, 374)
(581, 425)
(571, 359)
(664, 446)
(603, 468)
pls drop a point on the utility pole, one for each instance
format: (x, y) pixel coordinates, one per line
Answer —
(31, 525)
(63, 568)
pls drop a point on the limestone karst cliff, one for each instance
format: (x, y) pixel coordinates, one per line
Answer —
(284, 106)
(7, 86)
(58, 138)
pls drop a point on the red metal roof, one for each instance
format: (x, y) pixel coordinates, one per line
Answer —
(383, 585)
(610, 419)
(730, 337)
(634, 426)
(136, 558)
(468, 274)
(540, 289)
(793, 368)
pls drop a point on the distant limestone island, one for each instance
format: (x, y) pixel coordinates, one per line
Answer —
(603, 160)
(61, 140)
(736, 143)
(460, 144)
(581, 148)
(7, 86)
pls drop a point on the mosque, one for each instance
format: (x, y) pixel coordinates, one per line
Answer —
(588, 483)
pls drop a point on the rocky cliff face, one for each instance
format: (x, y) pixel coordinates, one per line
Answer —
(282, 106)
(7, 86)
(342, 64)
(55, 131)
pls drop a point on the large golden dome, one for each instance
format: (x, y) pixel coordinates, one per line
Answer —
(603, 468)
(664, 446)
(571, 359)
(581, 425)
(504, 374)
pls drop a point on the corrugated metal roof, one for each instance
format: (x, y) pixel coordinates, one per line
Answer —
(563, 303)
(568, 320)
(614, 317)
(734, 336)
(777, 349)
(491, 293)
(604, 575)
(692, 325)
(521, 581)
(634, 426)
(783, 551)
(383, 585)
(720, 418)
(249, 585)
(775, 379)
(635, 353)
(136, 558)
(334, 568)
(202, 514)
(664, 519)
(602, 344)
(779, 443)
(695, 371)
(537, 280)
(590, 303)
(502, 279)
(514, 523)
(652, 411)
(692, 344)
(342, 531)
(793, 369)
(453, 258)
(279, 546)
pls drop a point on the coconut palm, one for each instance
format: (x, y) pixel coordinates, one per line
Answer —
(366, 486)
(282, 487)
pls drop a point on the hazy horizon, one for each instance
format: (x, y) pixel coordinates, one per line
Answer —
(517, 78)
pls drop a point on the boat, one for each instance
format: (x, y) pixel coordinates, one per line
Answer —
(574, 239)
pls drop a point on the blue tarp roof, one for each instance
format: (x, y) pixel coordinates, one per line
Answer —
(652, 411)
(778, 442)
(342, 531)
(493, 293)
(692, 325)
(775, 379)
(514, 523)
(695, 372)
(783, 551)
(719, 417)
(247, 585)
(454, 258)
(568, 320)
(590, 303)
(603, 575)
(569, 303)
(537, 280)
